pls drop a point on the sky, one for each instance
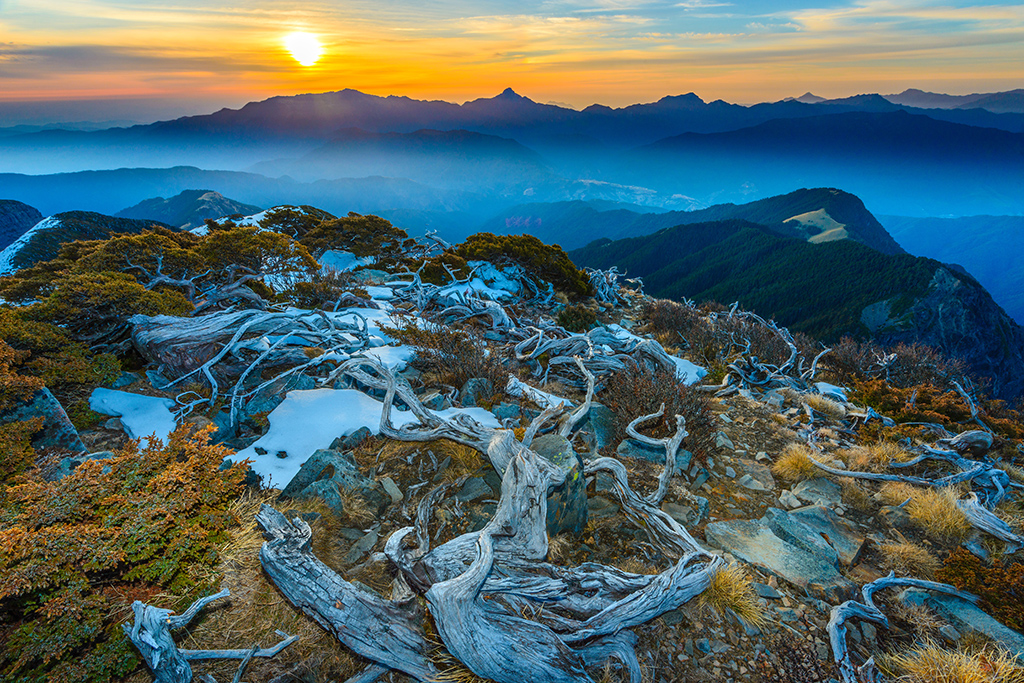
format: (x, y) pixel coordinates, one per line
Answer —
(143, 60)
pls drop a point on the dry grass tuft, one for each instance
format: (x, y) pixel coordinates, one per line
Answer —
(875, 457)
(795, 463)
(256, 608)
(934, 511)
(730, 588)
(355, 508)
(560, 549)
(908, 559)
(931, 663)
(918, 618)
(633, 565)
(825, 405)
(855, 496)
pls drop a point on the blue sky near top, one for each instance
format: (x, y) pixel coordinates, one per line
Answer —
(210, 53)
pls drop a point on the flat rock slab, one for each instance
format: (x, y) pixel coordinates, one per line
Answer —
(966, 617)
(754, 542)
(840, 534)
(760, 477)
(819, 491)
(791, 530)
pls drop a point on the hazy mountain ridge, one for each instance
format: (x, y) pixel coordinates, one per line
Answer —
(15, 218)
(42, 241)
(990, 247)
(188, 209)
(826, 290)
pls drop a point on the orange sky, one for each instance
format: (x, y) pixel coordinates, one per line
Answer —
(209, 54)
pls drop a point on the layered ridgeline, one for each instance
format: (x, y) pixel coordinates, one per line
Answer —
(43, 240)
(187, 209)
(15, 218)
(816, 215)
(991, 248)
(826, 289)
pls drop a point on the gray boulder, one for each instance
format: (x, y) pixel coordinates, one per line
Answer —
(567, 503)
(840, 534)
(754, 542)
(327, 472)
(631, 448)
(273, 395)
(57, 432)
(474, 390)
(71, 463)
(802, 536)
(819, 491)
(966, 617)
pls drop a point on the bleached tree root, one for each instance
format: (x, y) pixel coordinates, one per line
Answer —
(867, 610)
(151, 634)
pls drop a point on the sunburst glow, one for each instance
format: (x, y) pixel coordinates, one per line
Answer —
(305, 47)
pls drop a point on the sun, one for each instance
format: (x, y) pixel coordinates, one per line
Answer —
(305, 47)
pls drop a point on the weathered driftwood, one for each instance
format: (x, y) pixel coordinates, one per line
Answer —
(867, 610)
(984, 519)
(670, 444)
(385, 632)
(151, 634)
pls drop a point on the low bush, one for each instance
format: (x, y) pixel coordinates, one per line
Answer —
(638, 390)
(1000, 584)
(547, 262)
(577, 318)
(75, 553)
(452, 356)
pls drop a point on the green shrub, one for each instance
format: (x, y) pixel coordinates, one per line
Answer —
(577, 318)
(75, 553)
(547, 262)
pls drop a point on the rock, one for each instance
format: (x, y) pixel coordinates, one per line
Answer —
(71, 463)
(965, 617)
(837, 532)
(567, 503)
(599, 506)
(602, 423)
(789, 500)
(474, 390)
(949, 633)
(327, 471)
(722, 440)
(895, 517)
(748, 482)
(114, 424)
(507, 411)
(271, 396)
(754, 542)
(869, 631)
(773, 398)
(702, 476)
(631, 448)
(802, 536)
(685, 515)
(818, 491)
(352, 441)
(391, 488)
(57, 432)
(434, 400)
(730, 472)
(474, 488)
(974, 443)
(361, 547)
(760, 474)
(125, 379)
(765, 591)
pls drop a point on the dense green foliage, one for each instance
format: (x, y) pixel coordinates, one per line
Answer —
(75, 553)
(577, 318)
(819, 289)
(547, 262)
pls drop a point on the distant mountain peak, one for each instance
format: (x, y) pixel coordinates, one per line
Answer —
(809, 98)
(510, 94)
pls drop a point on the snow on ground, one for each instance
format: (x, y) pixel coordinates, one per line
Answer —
(380, 293)
(489, 282)
(140, 415)
(343, 261)
(832, 391)
(686, 371)
(307, 421)
(8, 254)
(394, 358)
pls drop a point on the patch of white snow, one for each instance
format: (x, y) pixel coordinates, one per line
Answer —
(140, 415)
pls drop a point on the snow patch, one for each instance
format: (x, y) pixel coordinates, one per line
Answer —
(11, 251)
(543, 399)
(308, 420)
(140, 415)
(686, 371)
(343, 261)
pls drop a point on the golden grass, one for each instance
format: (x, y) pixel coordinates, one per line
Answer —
(1016, 473)
(560, 548)
(355, 508)
(934, 511)
(931, 663)
(857, 497)
(876, 457)
(825, 405)
(256, 609)
(907, 558)
(795, 463)
(731, 588)
(919, 618)
(633, 565)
